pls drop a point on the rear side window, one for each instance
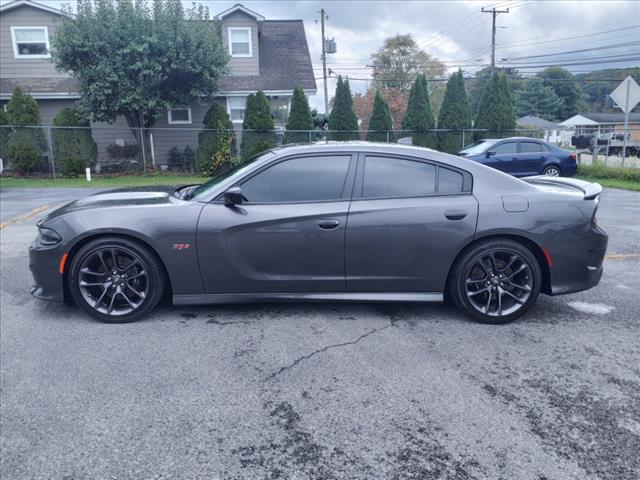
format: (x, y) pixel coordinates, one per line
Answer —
(394, 177)
(307, 179)
(507, 147)
(449, 181)
(530, 147)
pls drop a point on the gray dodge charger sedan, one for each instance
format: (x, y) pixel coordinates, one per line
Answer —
(327, 222)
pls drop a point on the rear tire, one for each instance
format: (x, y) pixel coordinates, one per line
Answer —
(116, 280)
(552, 171)
(495, 281)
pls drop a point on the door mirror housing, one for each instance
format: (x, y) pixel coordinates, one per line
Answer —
(233, 196)
(490, 153)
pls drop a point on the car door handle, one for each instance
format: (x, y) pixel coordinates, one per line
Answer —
(328, 224)
(455, 214)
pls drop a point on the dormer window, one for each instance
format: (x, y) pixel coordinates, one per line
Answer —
(240, 42)
(30, 42)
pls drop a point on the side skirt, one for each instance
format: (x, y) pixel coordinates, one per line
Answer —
(206, 299)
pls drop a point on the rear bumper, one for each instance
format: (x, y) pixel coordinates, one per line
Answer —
(580, 267)
(48, 282)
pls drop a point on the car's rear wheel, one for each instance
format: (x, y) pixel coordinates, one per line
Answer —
(116, 280)
(552, 171)
(495, 281)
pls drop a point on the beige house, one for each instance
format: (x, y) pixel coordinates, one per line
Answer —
(268, 55)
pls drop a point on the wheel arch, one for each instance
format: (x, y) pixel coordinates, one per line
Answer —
(523, 240)
(89, 237)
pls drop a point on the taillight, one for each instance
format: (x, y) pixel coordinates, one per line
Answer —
(574, 157)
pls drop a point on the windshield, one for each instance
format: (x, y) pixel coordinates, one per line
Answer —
(203, 190)
(478, 147)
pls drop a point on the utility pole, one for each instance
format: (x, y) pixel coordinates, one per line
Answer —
(493, 13)
(324, 63)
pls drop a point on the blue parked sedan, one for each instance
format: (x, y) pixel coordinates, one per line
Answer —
(522, 157)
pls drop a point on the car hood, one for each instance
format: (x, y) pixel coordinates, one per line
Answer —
(122, 197)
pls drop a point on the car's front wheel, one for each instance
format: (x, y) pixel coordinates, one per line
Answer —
(495, 281)
(116, 280)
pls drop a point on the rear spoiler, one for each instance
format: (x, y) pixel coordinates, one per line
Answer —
(590, 190)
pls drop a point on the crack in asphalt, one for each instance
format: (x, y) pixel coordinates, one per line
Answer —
(298, 360)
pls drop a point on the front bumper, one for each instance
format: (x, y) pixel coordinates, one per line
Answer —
(44, 264)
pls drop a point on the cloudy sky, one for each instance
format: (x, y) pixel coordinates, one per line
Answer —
(457, 33)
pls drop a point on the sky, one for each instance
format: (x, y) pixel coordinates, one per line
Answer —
(458, 34)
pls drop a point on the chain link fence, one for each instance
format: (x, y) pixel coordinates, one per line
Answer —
(55, 152)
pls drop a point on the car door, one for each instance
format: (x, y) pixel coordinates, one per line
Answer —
(288, 234)
(408, 220)
(504, 157)
(532, 156)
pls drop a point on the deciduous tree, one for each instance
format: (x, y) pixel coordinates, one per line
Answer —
(539, 100)
(566, 88)
(135, 59)
(399, 62)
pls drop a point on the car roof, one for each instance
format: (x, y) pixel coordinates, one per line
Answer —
(363, 146)
(512, 138)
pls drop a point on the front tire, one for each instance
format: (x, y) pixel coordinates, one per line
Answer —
(116, 280)
(495, 281)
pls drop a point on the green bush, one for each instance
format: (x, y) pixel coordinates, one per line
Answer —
(601, 171)
(73, 149)
(4, 133)
(343, 121)
(257, 129)
(23, 151)
(215, 143)
(381, 121)
(116, 151)
(25, 146)
(299, 119)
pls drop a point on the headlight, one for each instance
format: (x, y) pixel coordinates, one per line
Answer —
(46, 236)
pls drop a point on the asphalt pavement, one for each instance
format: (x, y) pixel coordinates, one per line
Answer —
(321, 391)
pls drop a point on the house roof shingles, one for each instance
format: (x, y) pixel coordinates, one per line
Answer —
(611, 117)
(285, 61)
(41, 87)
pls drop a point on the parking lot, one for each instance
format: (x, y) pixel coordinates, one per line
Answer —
(321, 391)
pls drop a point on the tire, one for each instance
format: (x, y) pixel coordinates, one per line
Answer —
(475, 290)
(552, 171)
(107, 296)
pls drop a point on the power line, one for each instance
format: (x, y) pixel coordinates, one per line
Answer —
(602, 47)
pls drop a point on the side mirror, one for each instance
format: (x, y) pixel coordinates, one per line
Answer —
(490, 153)
(233, 196)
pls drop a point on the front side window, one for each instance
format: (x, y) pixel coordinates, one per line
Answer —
(506, 148)
(240, 42)
(307, 179)
(236, 106)
(394, 178)
(179, 115)
(30, 42)
(530, 147)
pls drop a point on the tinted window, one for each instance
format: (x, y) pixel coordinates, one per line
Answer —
(393, 177)
(530, 147)
(310, 179)
(449, 181)
(507, 147)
